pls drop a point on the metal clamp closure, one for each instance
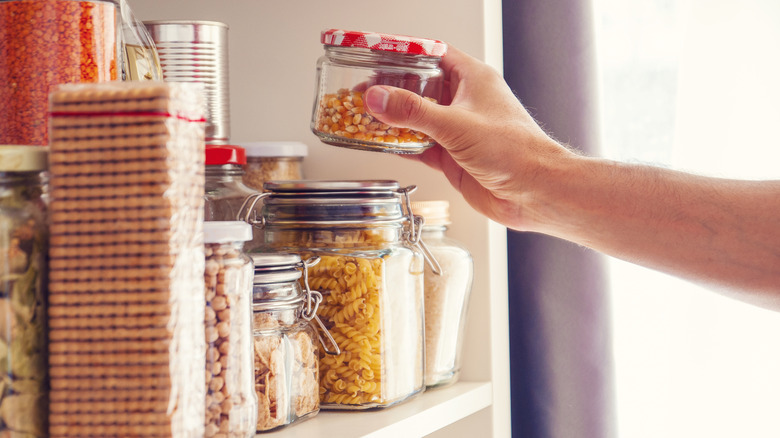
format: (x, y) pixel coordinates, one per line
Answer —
(245, 213)
(413, 236)
(310, 312)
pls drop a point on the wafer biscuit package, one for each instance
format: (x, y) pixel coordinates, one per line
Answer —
(126, 289)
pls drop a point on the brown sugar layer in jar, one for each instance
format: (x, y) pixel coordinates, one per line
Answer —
(44, 43)
(342, 118)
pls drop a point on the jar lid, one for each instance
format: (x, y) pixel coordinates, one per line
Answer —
(225, 154)
(334, 203)
(20, 158)
(226, 231)
(434, 212)
(367, 187)
(275, 149)
(385, 42)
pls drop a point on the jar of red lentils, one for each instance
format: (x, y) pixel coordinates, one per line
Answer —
(354, 61)
(44, 43)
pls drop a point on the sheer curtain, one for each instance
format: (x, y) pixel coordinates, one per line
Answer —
(561, 362)
(694, 85)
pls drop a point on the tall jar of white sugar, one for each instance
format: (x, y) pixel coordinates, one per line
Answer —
(446, 295)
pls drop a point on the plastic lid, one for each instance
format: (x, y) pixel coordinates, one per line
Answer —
(385, 42)
(434, 212)
(225, 154)
(19, 158)
(275, 149)
(226, 231)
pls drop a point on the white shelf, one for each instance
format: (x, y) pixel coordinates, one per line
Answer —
(431, 411)
(273, 51)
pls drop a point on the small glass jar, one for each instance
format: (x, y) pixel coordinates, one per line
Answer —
(226, 192)
(286, 360)
(273, 160)
(23, 298)
(370, 276)
(446, 295)
(231, 403)
(354, 61)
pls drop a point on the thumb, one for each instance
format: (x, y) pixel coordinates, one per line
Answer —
(404, 109)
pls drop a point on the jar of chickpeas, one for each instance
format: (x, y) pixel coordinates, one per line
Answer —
(370, 275)
(354, 61)
(286, 354)
(231, 404)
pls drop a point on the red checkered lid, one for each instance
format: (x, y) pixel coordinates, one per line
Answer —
(225, 154)
(383, 41)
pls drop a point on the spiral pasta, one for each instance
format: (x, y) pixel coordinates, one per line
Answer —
(355, 311)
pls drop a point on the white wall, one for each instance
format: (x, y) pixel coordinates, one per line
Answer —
(274, 46)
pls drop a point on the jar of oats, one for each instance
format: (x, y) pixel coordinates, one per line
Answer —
(273, 160)
(286, 355)
(354, 61)
(231, 402)
(446, 295)
(370, 275)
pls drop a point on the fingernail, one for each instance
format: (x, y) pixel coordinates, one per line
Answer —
(376, 99)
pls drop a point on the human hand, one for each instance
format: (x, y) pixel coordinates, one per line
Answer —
(489, 147)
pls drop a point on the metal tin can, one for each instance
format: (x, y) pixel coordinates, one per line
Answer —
(197, 51)
(354, 61)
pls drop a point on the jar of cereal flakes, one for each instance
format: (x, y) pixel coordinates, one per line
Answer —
(231, 403)
(370, 275)
(273, 160)
(286, 356)
(354, 61)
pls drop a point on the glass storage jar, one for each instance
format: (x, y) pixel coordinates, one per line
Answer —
(231, 402)
(23, 297)
(45, 43)
(226, 192)
(273, 160)
(354, 61)
(446, 295)
(370, 276)
(286, 353)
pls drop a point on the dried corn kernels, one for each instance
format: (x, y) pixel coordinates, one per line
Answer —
(342, 117)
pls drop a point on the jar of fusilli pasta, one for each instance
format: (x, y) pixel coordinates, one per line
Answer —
(285, 342)
(370, 277)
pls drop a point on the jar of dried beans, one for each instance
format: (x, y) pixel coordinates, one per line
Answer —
(354, 61)
(23, 299)
(446, 295)
(286, 352)
(370, 276)
(49, 42)
(231, 403)
(273, 160)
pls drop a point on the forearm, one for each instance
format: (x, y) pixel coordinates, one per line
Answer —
(719, 232)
